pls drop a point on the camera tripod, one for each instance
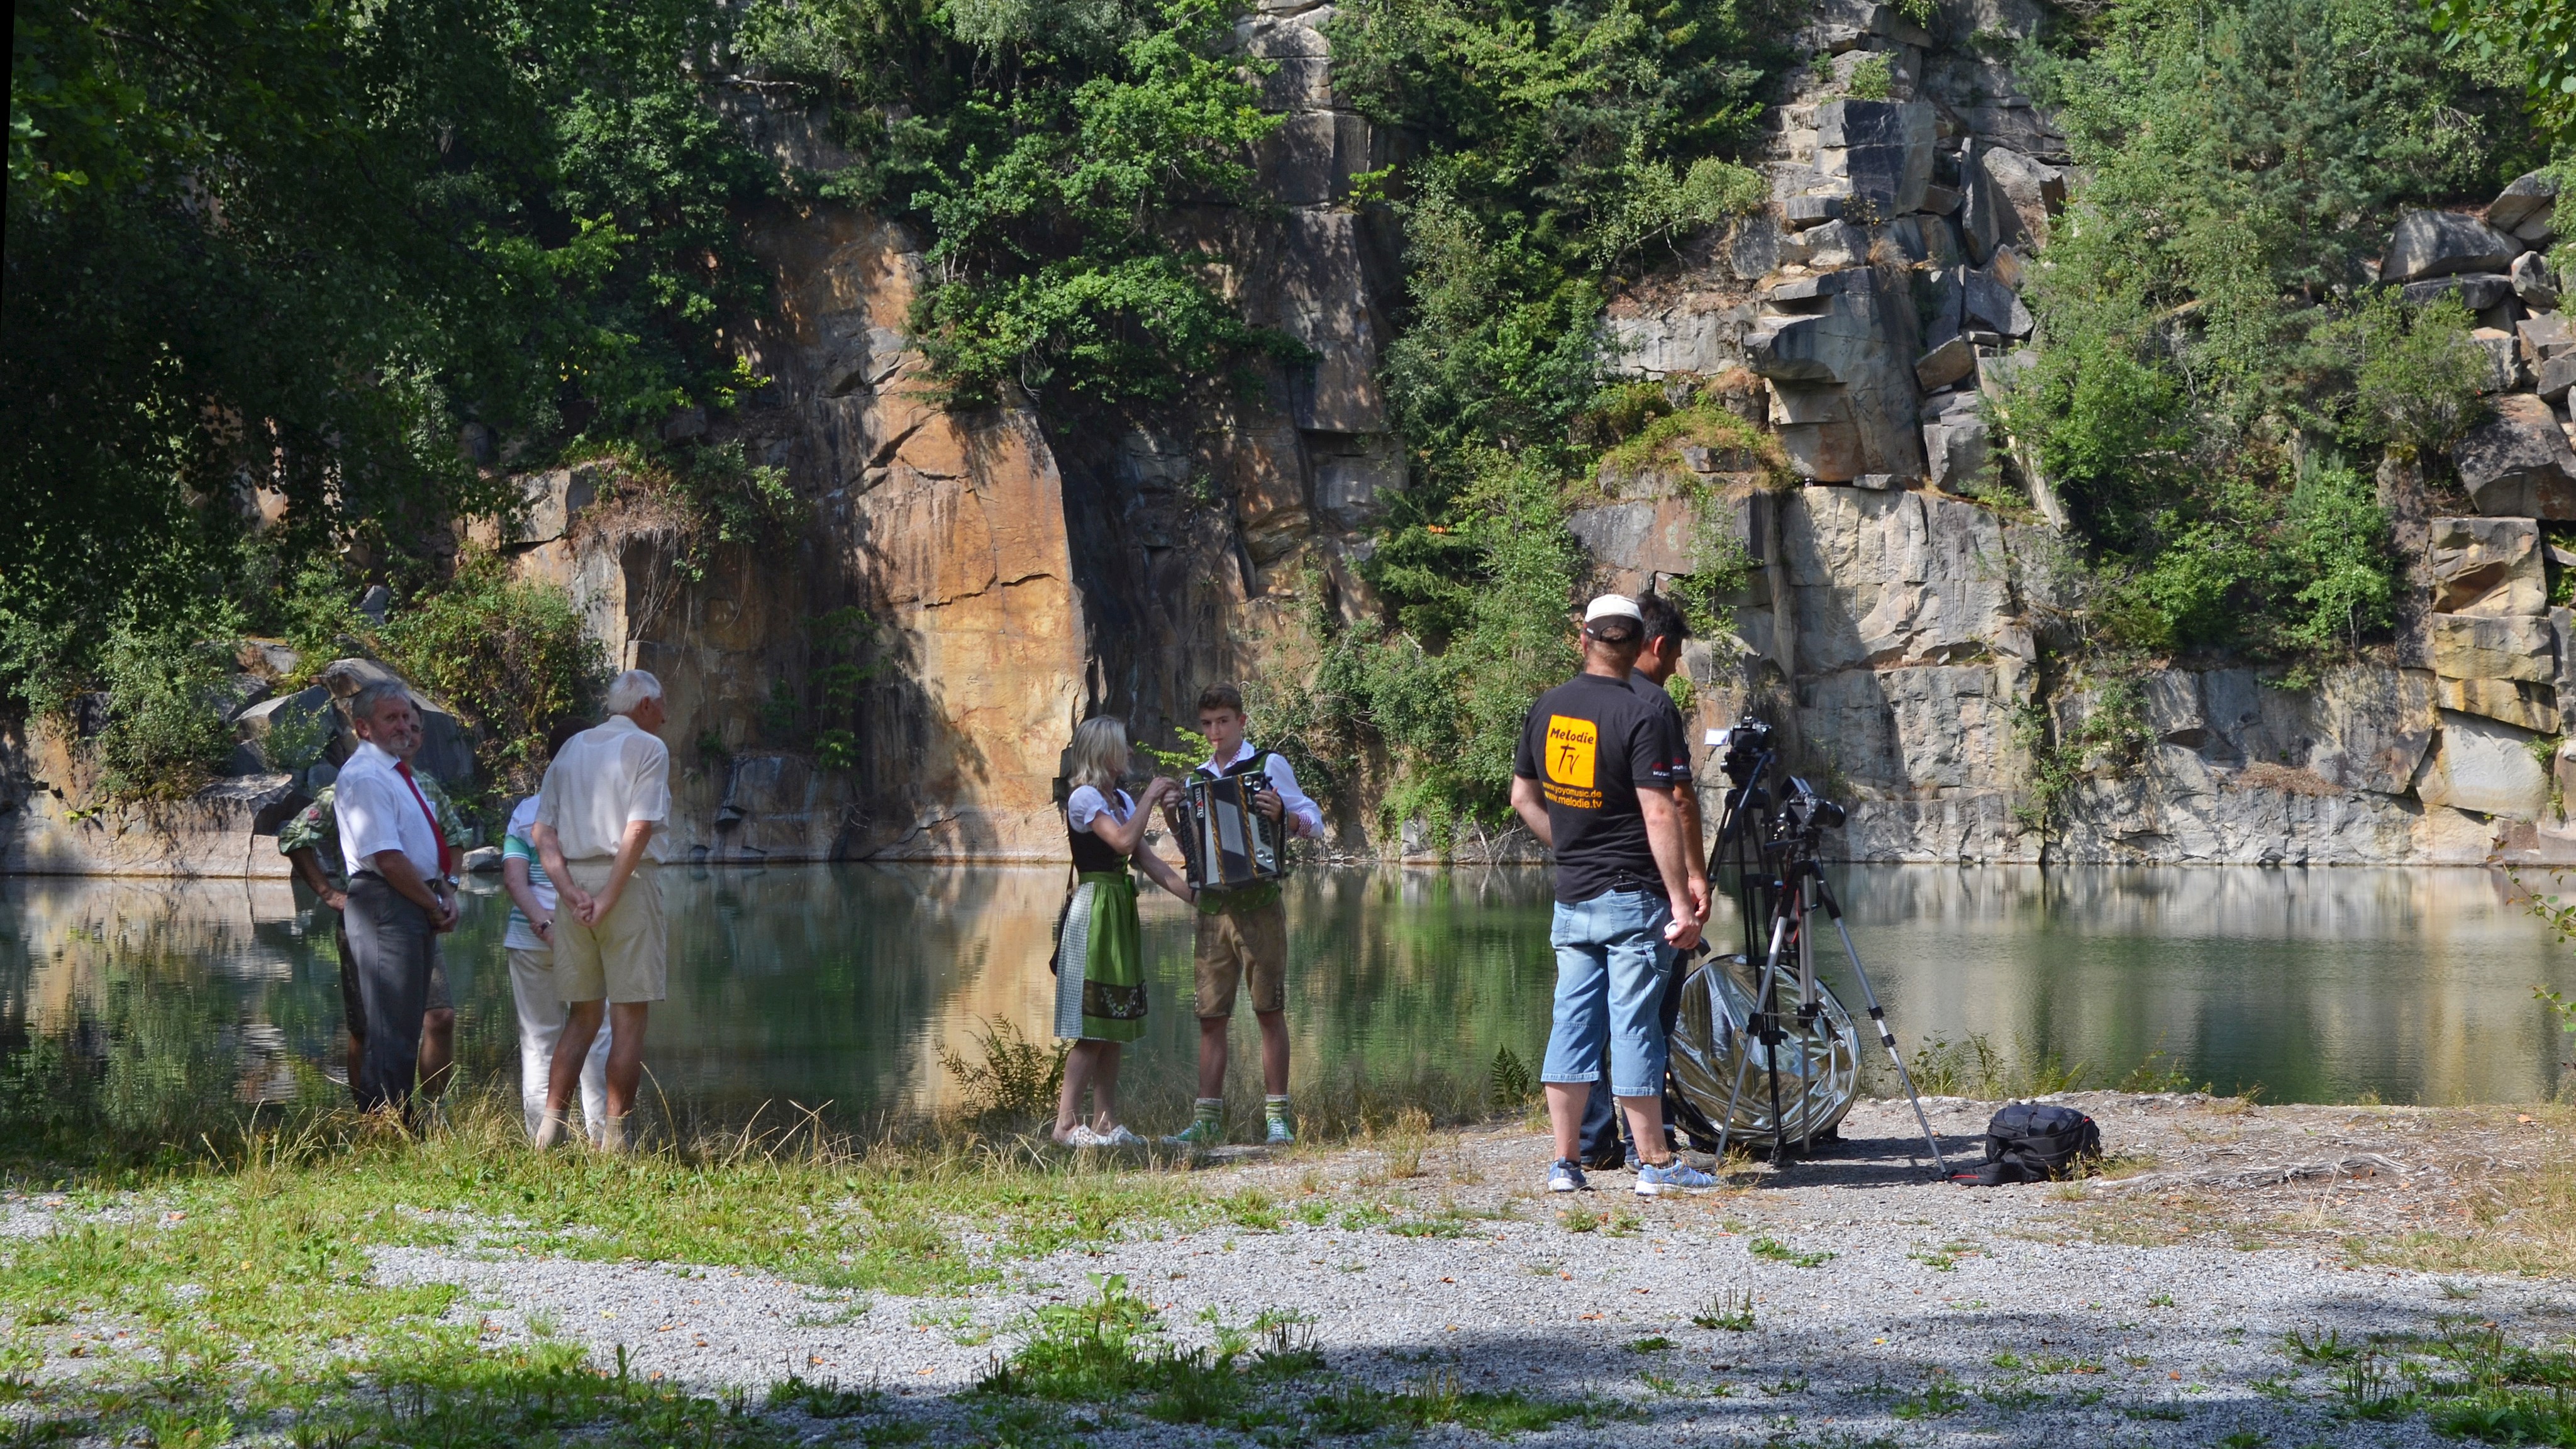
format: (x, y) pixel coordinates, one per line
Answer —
(1773, 849)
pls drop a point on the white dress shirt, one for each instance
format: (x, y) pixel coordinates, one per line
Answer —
(600, 782)
(1283, 778)
(376, 811)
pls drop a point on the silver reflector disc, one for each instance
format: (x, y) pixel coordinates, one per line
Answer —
(1819, 1062)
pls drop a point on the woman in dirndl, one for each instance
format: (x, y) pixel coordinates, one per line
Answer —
(1100, 959)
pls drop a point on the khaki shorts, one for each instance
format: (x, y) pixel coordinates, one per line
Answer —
(1250, 946)
(623, 957)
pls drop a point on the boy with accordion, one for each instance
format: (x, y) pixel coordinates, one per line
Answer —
(1242, 919)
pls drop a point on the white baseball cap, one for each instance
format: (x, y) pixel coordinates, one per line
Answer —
(1612, 606)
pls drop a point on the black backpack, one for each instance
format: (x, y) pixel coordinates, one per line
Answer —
(2036, 1142)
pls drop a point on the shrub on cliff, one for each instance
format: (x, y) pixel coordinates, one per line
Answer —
(1050, 153)
(165, 734)
(510, 656)
(2208, 321)
(1562, 152)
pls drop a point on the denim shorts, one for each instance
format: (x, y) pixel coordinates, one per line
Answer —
(1610, 965)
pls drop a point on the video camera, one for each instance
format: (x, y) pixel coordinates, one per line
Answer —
(1798, 815)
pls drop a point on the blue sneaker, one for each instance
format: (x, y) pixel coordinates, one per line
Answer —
(1673, 1176)
(1567, 1176)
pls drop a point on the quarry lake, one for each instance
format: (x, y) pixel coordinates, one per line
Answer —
(845, 984)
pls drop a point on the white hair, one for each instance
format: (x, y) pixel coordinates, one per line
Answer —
(370, 698)
(631, 689)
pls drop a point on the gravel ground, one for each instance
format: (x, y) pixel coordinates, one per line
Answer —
(2144, 1309)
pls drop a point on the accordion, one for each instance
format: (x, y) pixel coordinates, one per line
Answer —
(1225, 840)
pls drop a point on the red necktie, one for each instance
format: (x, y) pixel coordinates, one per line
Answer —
(445, 865)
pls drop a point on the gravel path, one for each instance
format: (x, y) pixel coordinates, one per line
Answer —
(2004, 1304)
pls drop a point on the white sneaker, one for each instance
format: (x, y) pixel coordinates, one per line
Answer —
(1119, 1136)
(1083, 1136)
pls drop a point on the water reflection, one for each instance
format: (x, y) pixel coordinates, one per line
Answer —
(845, 984)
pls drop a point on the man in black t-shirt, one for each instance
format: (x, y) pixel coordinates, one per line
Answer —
(1658, 660)
(1593, 780)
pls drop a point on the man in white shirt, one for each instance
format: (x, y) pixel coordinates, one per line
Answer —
(529, 944)
(401, 873)
(1243, 933)
(598, 834)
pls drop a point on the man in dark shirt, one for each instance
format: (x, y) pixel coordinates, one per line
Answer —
(1659, 659)
(1594, 782)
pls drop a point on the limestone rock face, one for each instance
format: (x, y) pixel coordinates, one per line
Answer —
(2469, 646)
(2371, 726)
(1837, 349)
(2439, 243)
(1955, 441)
(1882, 149)
(2476, 291)
(2487, 566)
(2556, 377)
(226, 830)
(2532, 281)
(2518, 463)
(2484, 766)
(2528, 196)
(2033, 189)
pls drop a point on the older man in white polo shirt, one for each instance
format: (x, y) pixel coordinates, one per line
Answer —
(598, 832)
(401, 895)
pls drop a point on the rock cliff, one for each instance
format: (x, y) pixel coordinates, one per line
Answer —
(1024, 573)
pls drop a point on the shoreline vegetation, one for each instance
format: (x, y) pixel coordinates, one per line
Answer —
(231, 1288)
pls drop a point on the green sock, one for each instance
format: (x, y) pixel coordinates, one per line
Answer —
(1276, 1108)
(1210, 1114)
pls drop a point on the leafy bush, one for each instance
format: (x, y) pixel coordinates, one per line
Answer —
(1018, 1078)
(165, 733)
(1049, 151)
(2211, 338)
(2303, 577)
(510, 656)
(300, 250)
(1563, 152)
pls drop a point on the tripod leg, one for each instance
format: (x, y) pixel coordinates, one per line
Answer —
(1887, 1039)
(1770, 966)
(1771, 1055)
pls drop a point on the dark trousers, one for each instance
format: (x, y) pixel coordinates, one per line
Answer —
(1604, 1125)
(389, 948)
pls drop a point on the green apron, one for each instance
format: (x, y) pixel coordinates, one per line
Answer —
(1106, 951)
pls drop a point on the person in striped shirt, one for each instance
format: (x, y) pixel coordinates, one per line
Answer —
(530, 944)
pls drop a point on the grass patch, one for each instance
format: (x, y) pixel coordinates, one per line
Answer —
(1112, 1349)
(2523, 1223)
(1773, 1250)
(1732, 1312)
(1939, 1399)
(240, 1272)
(2466, 1380)
(1356, 1409)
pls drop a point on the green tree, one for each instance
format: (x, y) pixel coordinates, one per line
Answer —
(2211, 336)
(1563, 152)
(265, 259)
(1053, 154)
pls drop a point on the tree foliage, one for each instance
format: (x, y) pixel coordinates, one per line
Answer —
(511, 656)
(265, 258)
(1051, 153)
(1563, 151)
(2536, 38)
(2212, 338)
